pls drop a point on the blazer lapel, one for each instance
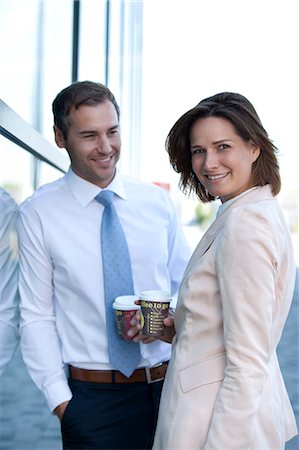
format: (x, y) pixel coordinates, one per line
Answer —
(206, 242)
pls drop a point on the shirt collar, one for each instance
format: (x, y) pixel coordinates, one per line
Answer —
(85, 192)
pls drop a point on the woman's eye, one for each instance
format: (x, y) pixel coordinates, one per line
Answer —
(223, 146)
(197, 151)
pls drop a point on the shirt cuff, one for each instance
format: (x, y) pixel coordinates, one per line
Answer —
(57, 393)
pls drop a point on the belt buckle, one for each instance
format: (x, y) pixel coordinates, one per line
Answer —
(149, 378)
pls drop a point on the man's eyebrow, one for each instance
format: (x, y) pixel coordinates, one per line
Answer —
(81, 132)
(113, 127)
(86, 132)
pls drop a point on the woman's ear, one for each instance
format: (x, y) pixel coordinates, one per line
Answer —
(256, 151)
(59, 139)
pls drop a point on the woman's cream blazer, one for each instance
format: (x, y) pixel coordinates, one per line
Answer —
(224, 388)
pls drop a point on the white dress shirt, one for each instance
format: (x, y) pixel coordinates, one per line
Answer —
(8, 278)
(61, 279)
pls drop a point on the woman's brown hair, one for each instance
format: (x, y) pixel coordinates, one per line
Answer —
(241, 114)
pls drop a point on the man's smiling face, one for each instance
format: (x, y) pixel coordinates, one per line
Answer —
(93, 142)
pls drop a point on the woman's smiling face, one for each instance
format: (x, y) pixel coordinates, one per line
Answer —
(221, 159)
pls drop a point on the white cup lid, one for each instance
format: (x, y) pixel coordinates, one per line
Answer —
(158, 296)
(126, 302)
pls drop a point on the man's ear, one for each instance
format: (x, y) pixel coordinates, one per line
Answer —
(59, 139)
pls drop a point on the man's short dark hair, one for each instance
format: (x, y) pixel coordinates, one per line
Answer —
(75, 95)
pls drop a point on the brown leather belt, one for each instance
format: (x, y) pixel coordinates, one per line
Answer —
(144, 375)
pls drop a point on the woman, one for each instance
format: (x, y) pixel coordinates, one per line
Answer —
(224, 388)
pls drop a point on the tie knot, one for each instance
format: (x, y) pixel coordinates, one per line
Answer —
(105, 197)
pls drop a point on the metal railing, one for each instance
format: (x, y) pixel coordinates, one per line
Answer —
(18, 131)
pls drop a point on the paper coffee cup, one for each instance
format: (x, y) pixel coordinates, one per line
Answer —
(154, 309)
(125, 309)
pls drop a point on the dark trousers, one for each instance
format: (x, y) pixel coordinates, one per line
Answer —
(111, 416)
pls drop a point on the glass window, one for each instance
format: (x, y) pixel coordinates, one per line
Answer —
(16, 171)
(92, 48)
(36, 63)
(18, 30)
(47, 173)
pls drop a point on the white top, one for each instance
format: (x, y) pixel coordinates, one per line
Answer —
(223, 207)
(8, 278)
(61, 279)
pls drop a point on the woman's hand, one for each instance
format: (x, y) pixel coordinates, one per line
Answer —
(136, 329)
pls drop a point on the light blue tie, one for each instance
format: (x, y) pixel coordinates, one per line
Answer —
(118, 280)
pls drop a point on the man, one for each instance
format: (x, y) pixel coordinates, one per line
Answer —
(8, 279)
(64, 322)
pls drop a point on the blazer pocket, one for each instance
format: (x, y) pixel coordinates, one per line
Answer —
(207, 371)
